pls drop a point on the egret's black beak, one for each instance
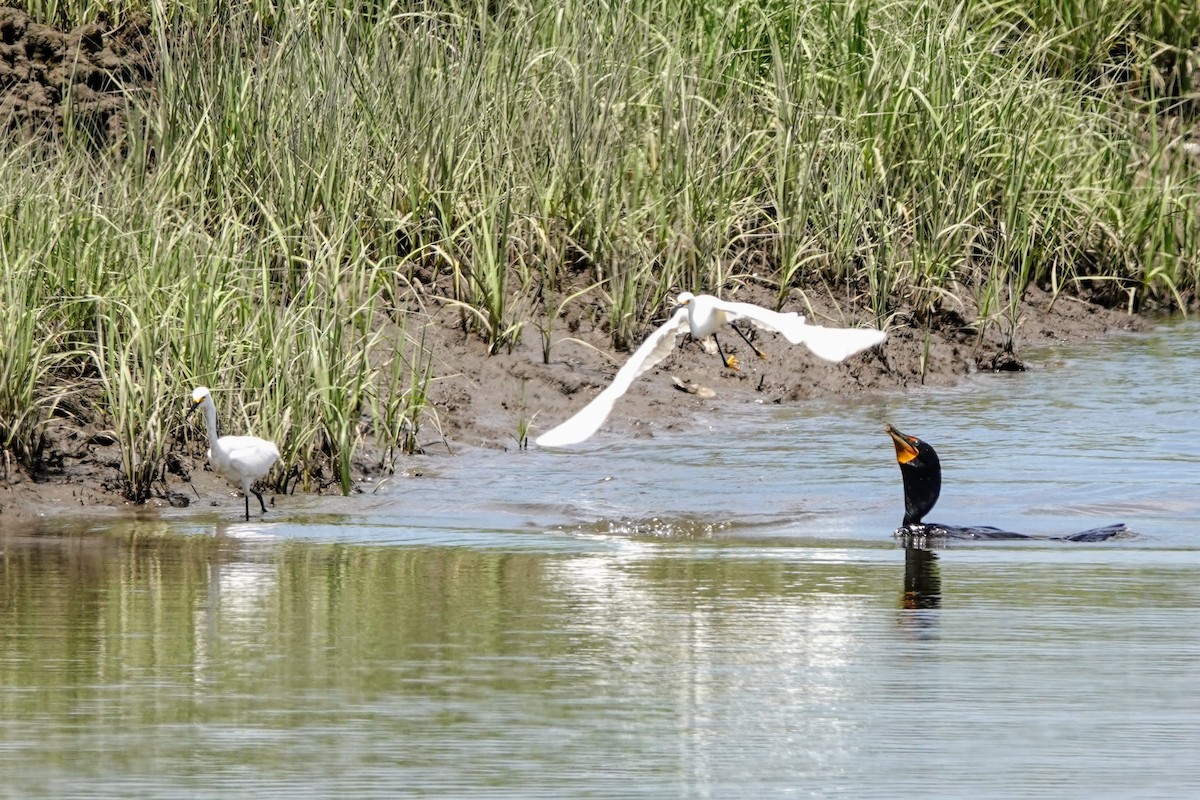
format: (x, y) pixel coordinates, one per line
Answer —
(195, 405)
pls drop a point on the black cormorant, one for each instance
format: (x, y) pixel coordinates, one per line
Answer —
(922, 474)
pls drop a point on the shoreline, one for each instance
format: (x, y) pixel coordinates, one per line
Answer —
(478, 400)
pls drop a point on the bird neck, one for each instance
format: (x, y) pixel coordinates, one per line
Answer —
(922, 486)
(210, 421)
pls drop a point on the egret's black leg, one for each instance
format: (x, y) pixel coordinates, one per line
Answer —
(746, 339)
(258, 494)
(247, 496)
(729, 361)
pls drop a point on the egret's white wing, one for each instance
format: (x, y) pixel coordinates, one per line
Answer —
(838, 344)
(831, 344)
(790, 324)
(588, 419)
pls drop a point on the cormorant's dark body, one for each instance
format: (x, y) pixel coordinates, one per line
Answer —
(922, 473)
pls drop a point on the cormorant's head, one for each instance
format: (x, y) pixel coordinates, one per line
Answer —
(922, 474)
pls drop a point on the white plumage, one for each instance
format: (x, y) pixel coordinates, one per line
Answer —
(702, 315)
(241, 460)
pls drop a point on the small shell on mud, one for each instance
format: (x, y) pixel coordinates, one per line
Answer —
(693, 388)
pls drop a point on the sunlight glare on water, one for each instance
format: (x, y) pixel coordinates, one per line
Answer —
(719, 612)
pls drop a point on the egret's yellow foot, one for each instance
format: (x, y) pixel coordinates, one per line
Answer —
(732, 362)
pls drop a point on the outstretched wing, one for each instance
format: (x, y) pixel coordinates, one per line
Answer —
(588, 419)
(831, 344)
(790, 324)
(838, 344)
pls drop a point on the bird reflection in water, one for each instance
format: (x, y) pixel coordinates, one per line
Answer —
(921, 598)
(922, 578)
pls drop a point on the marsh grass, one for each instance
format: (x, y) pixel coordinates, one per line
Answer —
(309, 174)
(401, 405)
(28, 394)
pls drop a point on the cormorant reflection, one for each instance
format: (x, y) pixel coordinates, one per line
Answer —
(922, 578)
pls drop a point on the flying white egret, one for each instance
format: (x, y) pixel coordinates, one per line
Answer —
(241, 460)
(702, 315)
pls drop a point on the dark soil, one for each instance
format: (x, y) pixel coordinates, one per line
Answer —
(77, 82)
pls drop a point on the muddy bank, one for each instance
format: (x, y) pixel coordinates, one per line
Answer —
(480, 401)
(477, 400)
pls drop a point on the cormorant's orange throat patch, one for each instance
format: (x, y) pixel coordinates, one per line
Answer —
(906, 449)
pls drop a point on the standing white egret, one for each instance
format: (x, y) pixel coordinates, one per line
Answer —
(241, 460)
(702, 315)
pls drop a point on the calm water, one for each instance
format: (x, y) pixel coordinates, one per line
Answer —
(718, 614)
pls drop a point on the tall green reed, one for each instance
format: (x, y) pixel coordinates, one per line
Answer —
(28, 361)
